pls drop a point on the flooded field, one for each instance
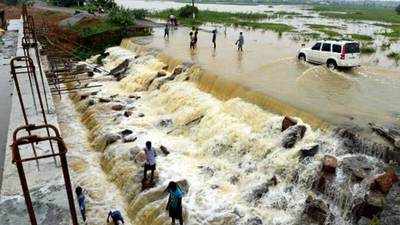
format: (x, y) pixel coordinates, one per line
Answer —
(269, 65)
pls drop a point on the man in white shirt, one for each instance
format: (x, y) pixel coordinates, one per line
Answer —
(150, 161)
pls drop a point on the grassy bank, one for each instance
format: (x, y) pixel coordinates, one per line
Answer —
(358, 13)
(250, 20)
(325, 29)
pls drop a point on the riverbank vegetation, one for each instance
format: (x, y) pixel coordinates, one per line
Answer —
(326, 29)
(251, 20)
(358, 13)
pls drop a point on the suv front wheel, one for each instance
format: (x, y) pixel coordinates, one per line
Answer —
(331, 64)
(302, 57)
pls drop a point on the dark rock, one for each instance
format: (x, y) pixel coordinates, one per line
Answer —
(357, 166)
(114, 96)
(126, 132)
(329, 164)
(117, 107)
(161, 73)
(164, 150)
(309, 152)
(234, 179)
(134, 97)
(259, 191)
(371, 205)
(316, 209)
(111, 138)
(207, 170)
(94, 93)
(254, 221)
(165, 123)
(214, 186)
(288, 122)
(391, 134)
(165, 67)
(119, 72)
(83, 96)
(293, 135)
(177, 70)
(90, 74)
(384, 182)
(128, 113)
(129, 138)
(96, 70)
(140, 115)
(104, 100)
(273, 181)
(391, 212)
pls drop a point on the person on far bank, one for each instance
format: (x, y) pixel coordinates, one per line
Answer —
(116, 217)
(174, 205)
(81, 201)
(166, 30)
(214, 38)
(240, 42)
(150, 161)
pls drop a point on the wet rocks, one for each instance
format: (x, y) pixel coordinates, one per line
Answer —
(329, 164)
(288, 122)
(129, 138)
(357, 167)
(164, 150)
(110, 138)
(128, 113)
(259, 191)
(234, 179)
(370, 206)
(104, 100)
(141, 115)
(254, 221)
(126, 132)
(83, 96)
(134, 97)
(391, 212)
(119, 72)
(309, 152)
(117, 107)
(161, 73)
(164, 123)
(384, 182)
(316, 209)
(177, 70)
(293, 135)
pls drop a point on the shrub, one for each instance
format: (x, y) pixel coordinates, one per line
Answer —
(11, 2)
(187, 11)
(398, 9)
(121, 17)
(105, 4)
(367, 50)
(139, 13)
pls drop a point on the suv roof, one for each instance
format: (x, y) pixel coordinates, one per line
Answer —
(337, 41)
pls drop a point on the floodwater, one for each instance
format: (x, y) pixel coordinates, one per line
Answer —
(268, 65)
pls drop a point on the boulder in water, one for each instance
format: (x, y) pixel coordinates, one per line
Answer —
(370, 206)
(329, 164)
(384, 182)
(128, 113)
(164, 123)
(254, 221)
(288, 122)
(259, 191)
(117, 107)
(293, 135)
(104, 100)
(129, 138)
(316, 209)
(309, 152)
(177, 70)
(357, 166)
(134, 97)
(391, 212)
(83, 96)
(141, 115)
(126, 132)
(111, 138)
(161, 73)
(164, 150)
(119, 72)
(91, 102)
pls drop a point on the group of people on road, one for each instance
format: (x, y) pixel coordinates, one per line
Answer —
(174, 204)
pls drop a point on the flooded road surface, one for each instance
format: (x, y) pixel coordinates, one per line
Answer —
(268, 65)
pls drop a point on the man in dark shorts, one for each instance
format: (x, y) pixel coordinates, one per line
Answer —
(150, 161)
(116, 217)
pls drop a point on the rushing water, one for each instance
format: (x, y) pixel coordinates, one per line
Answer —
(226, 151)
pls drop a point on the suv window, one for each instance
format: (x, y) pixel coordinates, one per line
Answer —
(352, 48)
(337, 48)
(316, 47)
(326, 47)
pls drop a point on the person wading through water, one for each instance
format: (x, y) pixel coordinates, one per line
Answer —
(240, 42)
(191, 40)
(81, 201)
(214, 38)
(196, 33)
(174, 205)
(150, 161)
(166, 30)
(116, 217)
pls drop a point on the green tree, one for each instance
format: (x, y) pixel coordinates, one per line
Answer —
(187, 11)
(398, 9)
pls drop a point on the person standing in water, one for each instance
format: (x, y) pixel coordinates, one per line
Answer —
(174, 205)
(214, 38)
(166, 30)
(191, 40)
(81, 201)
(150, 161)
(196, 32)
(116, 217)
(240, 42)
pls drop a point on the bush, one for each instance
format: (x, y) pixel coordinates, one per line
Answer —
(121, 17)
(187, 11)
(105, 4)
(139, 13)
(398, 9)
(11, 2)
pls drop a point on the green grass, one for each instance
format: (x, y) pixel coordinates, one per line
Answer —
(359, 13)
(250, 20)
(394, 34)
(361, 37)
(367, 50)
(101, 26)
(326, 29)
(394, 55)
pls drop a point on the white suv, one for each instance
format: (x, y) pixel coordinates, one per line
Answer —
(332, 53)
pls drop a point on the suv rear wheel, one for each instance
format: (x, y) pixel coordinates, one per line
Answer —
(302, 57)
(331, 64)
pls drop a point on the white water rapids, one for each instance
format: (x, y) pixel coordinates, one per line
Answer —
(225, 150)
